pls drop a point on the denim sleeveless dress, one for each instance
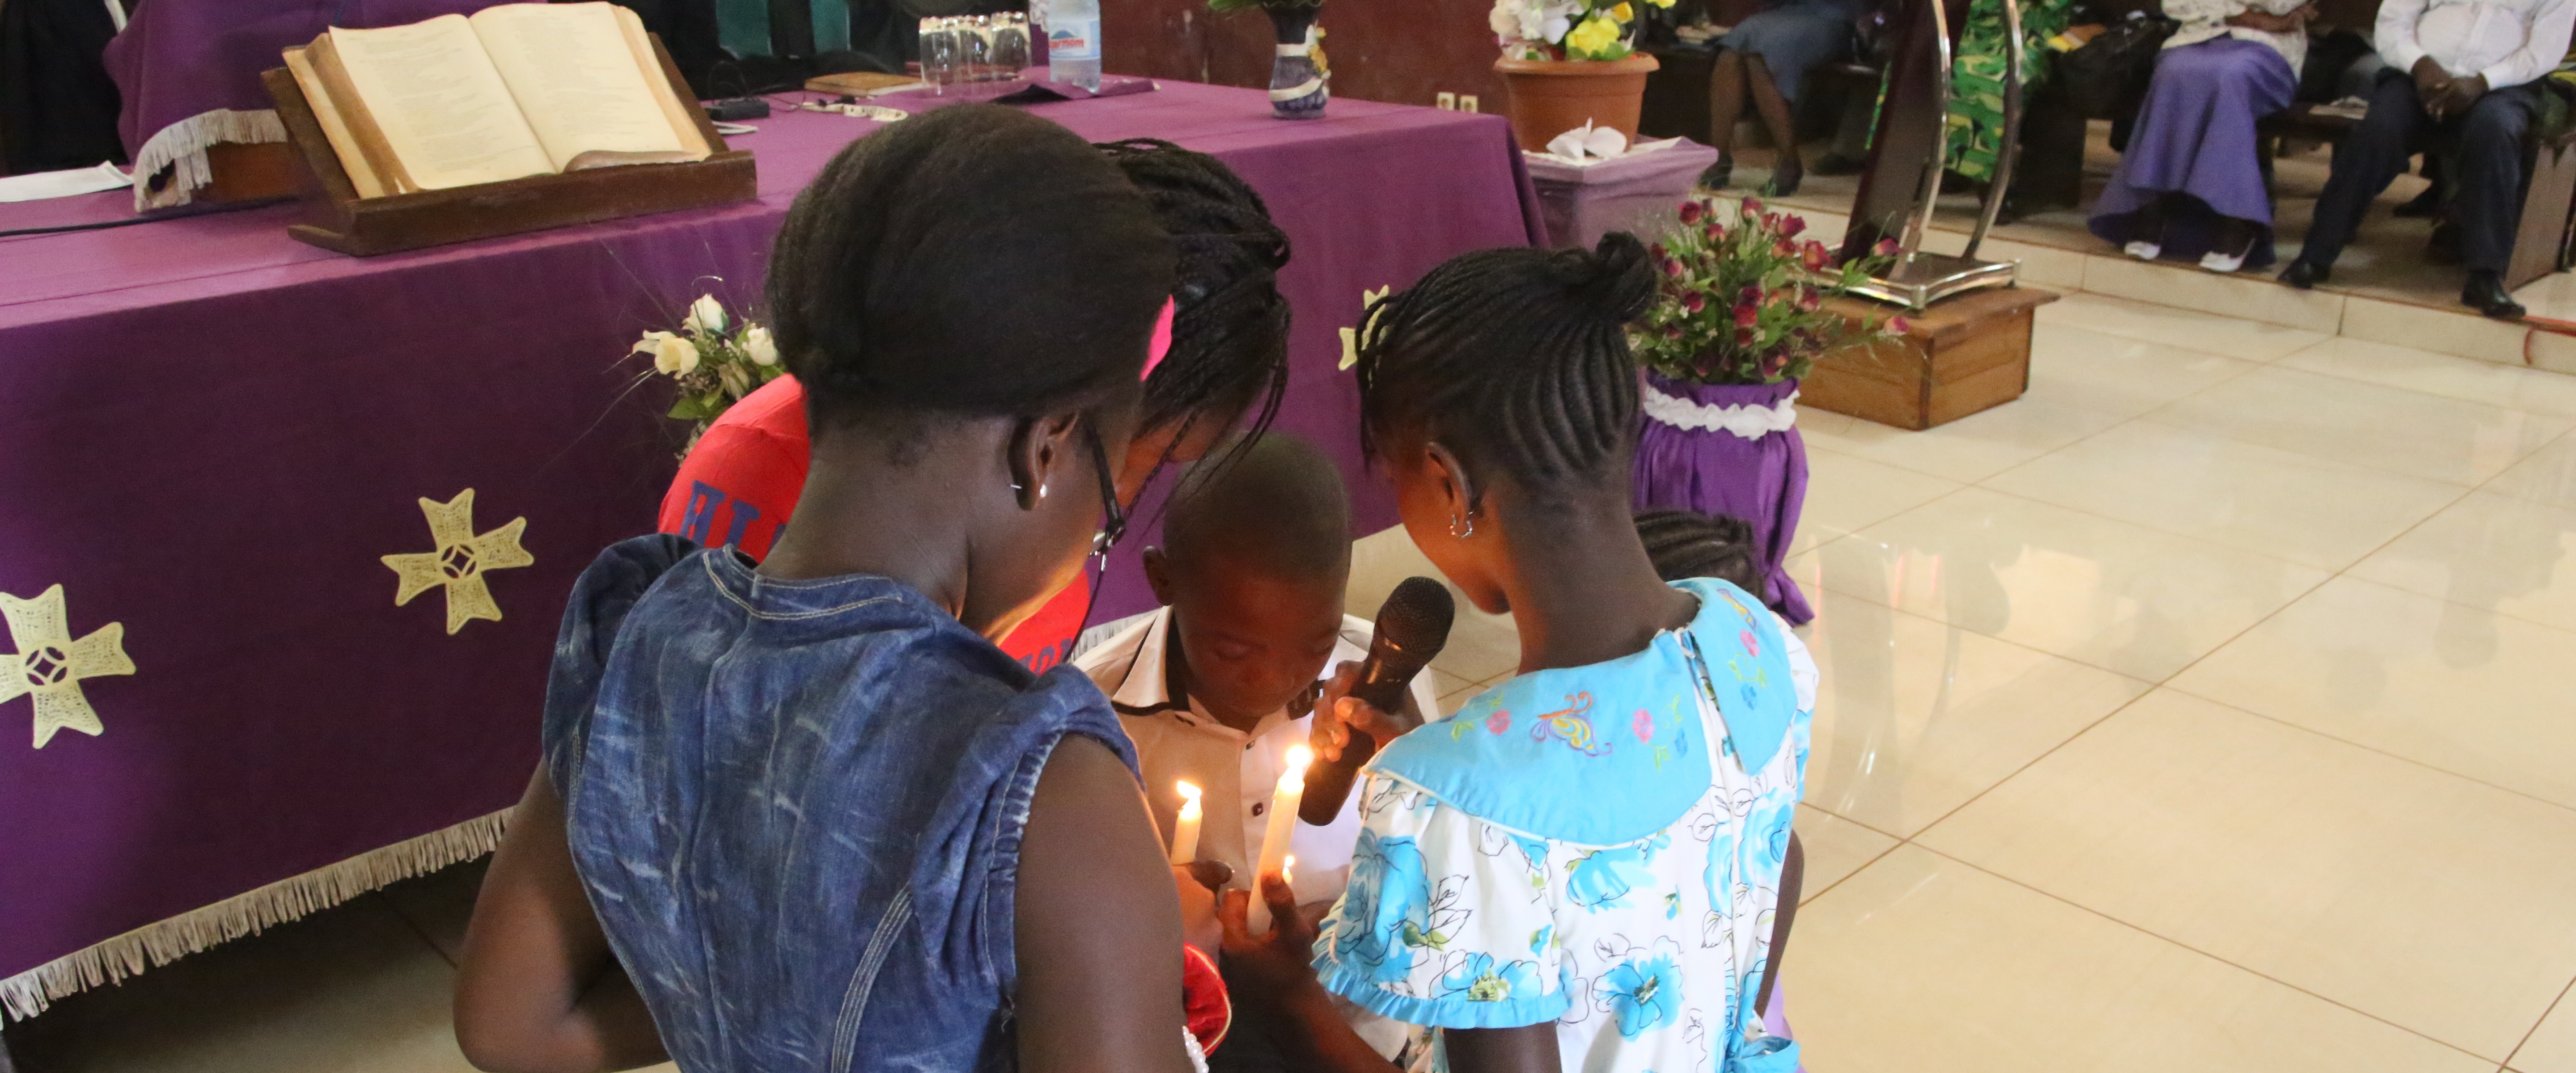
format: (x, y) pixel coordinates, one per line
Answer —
(797, 806)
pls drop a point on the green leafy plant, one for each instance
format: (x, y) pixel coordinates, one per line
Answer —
(1744, 304)
(714, 358)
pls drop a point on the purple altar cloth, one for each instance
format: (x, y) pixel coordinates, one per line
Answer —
(1762, 481)
(215, 432)
(177, 58)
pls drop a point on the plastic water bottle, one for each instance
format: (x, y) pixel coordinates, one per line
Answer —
(1073, 42)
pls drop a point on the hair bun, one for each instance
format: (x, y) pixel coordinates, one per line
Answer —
(1615, 277)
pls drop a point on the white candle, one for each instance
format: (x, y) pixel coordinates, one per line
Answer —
(1274, 838)
(1185, 828)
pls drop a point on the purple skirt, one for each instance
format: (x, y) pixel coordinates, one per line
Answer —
(2195, 136)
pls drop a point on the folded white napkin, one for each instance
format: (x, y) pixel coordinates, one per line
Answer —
(51, 184)
(1587, 145)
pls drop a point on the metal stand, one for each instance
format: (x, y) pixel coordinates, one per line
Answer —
(1920, 278)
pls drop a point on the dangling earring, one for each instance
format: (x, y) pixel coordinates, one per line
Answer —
(1470, 529)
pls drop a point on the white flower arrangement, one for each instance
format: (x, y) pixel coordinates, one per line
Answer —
(714, 360)
(1565, 29)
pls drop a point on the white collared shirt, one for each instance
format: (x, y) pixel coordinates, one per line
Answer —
(2510, 42)
(1235, 771)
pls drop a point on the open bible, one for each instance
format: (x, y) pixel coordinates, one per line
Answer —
(510, 91)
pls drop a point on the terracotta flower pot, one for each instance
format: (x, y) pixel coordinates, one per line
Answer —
(1550, 97)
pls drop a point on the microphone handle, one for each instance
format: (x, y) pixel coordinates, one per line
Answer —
(1328, 783)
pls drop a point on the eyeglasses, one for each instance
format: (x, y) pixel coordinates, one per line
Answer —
(1115, 524)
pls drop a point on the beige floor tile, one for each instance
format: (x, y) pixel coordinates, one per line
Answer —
(2189, 329)
(1969, 449)
(2116, 595)
(1926, 965)
(439, 904)
(1836, 848)
(1846, 494)
(2551, 351)
(2251, 296)
(2549, 475)
(2447, 375)
(2552, 1048)
(2274, 848)
(2451, 330)
(2443, 684)
(1454, 690)
(1915, 718)
(2308, 510)
(2489, 551)
(349, 990)
(2114, 374)
(2385, 428)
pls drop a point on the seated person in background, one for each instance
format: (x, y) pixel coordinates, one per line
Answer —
(1765, 60)
(2191, 180)
(1217, 686)
(2461, 72)
(1229, 352)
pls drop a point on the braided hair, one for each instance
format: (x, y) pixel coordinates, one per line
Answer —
(1688, 544)
(1513, 358)
(1230, 324)
(973, 260)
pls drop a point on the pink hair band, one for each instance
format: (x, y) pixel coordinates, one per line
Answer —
(1162, 343)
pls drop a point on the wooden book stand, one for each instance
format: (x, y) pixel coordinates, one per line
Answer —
(338, 219)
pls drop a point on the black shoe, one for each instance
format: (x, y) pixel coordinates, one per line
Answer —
(1835, 164)
(1784, 182)
(2486, 294)
(1718, 174)
(2424, 204)
(2303, 275)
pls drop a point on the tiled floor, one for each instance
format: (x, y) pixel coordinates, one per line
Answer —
(2211, 708)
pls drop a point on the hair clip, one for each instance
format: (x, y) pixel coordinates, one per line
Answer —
(1162, 343)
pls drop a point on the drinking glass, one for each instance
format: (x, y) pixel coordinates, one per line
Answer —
(975, 46)
(1010, 43)
(941, 53)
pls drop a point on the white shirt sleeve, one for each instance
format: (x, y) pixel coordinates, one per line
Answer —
(2544, 45)
(2394, 37)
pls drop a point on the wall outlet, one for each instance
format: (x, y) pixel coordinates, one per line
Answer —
(1446, 101)
(1467, 103)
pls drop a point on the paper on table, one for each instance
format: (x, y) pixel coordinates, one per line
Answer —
(51, 184)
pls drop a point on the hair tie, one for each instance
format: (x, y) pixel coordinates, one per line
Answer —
(1162, 342)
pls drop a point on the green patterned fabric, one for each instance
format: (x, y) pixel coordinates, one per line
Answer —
(1977, 81)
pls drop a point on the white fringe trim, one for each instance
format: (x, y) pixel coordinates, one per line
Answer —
(1749, 421)
(28, 993)
(183, 145)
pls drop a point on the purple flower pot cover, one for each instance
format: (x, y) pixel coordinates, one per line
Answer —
(1714, 471)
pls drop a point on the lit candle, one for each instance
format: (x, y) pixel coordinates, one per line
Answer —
(1274, 838)
(1185, 828)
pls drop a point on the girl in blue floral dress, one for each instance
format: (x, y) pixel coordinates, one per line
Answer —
(1579, 870)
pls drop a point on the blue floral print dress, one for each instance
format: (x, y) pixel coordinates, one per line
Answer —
(1597, 846)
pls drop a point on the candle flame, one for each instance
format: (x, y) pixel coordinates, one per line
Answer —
(1188, 792)
(1287, 868)
(1298, 757)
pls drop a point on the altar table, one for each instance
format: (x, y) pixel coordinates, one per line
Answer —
(215, 435)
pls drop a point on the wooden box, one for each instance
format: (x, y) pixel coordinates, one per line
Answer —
(338, 219)
(1962, 355)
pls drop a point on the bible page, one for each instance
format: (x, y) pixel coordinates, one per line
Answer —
(578, 82)
(441, 105)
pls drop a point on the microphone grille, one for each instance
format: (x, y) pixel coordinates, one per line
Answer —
(1417, 617)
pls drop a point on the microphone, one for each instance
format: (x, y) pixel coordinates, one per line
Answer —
(1412, 627)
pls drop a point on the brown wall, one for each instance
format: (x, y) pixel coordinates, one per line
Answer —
(1401, 51)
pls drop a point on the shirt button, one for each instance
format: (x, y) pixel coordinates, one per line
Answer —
(1257, 806)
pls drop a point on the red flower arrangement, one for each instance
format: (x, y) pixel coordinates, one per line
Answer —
(1744, 304)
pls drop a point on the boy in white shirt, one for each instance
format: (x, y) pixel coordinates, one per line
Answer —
(1217, 686)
